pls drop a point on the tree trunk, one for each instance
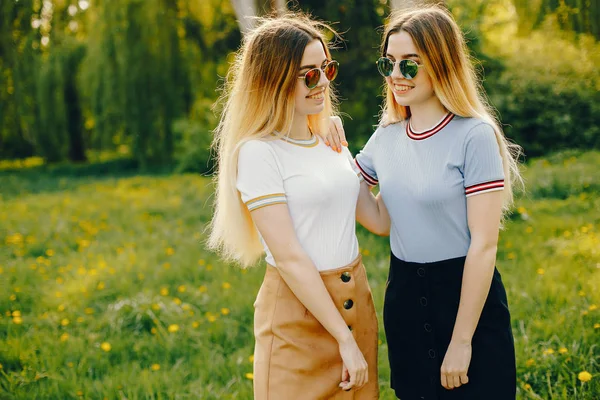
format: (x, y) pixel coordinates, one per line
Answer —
(244, 11)
(279, 6)
(402, 4)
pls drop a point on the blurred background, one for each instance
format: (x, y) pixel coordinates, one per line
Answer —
(106, 113)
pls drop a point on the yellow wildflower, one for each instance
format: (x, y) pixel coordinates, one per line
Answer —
(173, 328)
(250, 375)
(181, 289)
(226, 285)
(563, 350)
(18, 320)
(530, 362)
(225, 311)
(541, 271)
(548, 352)
(584, 376)
(155, 367)
(64, 322)
(106, 346)
(64, 337)
(593, 307)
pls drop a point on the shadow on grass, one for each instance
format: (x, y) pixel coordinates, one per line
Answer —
(53, 178)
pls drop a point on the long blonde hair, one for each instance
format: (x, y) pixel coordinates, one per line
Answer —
(444, 53)
(258, 102)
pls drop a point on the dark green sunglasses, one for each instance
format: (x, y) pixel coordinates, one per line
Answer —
(408, 68)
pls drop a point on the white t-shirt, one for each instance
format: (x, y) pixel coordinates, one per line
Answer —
(319, 186)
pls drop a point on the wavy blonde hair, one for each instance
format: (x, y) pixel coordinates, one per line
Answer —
(258, 102)
(444, 53)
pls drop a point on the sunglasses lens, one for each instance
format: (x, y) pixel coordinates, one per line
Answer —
(385, 66)
(312, 77)
(331, 70)
(409, 68)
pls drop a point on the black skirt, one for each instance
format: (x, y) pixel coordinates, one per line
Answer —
(421, 303)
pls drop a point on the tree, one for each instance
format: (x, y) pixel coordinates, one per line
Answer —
(19, 57)
(138, 76)
(245, 10)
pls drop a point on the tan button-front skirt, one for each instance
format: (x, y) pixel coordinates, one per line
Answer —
(295, 357)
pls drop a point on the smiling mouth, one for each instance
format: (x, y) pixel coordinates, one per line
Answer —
(317, 96)
(401, 88)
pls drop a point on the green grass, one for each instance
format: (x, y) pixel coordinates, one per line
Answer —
(106, 291)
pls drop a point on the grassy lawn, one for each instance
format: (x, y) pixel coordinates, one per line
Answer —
(106, 291)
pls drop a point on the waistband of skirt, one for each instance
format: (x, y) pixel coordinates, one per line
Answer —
(355, 264)
(450, 262)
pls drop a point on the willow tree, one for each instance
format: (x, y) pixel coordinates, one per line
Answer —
(59, 104)
(137, 76)
(582, 16)
(19, 58)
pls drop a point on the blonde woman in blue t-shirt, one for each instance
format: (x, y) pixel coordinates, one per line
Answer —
(445, 172)
(282, 192)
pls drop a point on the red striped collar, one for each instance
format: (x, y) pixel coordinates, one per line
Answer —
(430, 132)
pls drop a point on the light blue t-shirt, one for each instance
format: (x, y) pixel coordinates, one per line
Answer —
(425, 179)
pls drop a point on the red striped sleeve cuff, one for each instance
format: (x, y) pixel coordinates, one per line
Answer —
(485, 187)
(368, 178)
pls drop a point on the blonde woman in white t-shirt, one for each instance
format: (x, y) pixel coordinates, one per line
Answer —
(283, 192)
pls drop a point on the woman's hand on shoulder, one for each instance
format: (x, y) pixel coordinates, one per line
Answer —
(335, 137)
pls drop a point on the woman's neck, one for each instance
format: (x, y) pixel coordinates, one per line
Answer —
(299, 129)
(426, 115)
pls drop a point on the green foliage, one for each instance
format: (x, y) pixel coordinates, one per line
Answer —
(148, 64)
(194, 137)
(139, 78)
(18, 66)
(59, 106)
(549, 99)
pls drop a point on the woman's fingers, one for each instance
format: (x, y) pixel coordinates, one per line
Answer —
(456, 380)
(335, 141)
(345, 375)
(340, 130)
(444, 381)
